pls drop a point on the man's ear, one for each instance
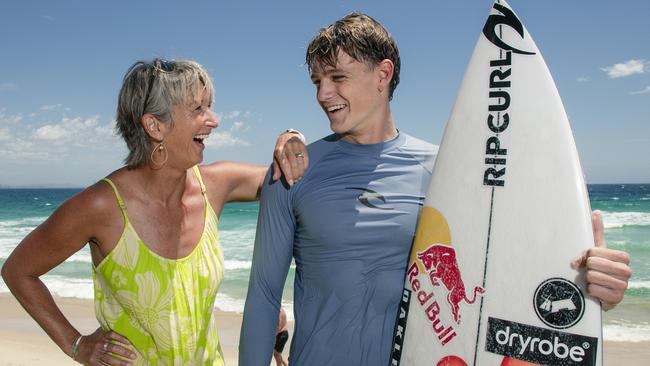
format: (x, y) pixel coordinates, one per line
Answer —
(385, 69)
(152, 127)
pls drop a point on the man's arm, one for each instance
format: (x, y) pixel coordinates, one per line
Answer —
(608, 270)
(271, 259)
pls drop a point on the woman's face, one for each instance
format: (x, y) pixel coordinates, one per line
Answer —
(193, 123)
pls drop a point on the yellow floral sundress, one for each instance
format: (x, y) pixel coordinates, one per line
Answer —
(163, 306)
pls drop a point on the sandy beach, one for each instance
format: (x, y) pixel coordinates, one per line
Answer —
(22, 342)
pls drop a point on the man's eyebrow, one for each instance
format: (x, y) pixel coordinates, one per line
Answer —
(333, 70)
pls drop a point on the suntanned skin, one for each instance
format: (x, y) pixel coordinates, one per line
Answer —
(359, 117)
(164, 204)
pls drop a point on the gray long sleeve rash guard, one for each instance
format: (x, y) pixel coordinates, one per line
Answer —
(349, 224)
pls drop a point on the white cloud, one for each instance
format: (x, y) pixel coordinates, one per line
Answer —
(51, 133)
(220, 140)
(583, 79)
(5, 134)
(20, 149)
(106, 131)
(8, 87)
(230, 115)
(58, 140)
(78, 130)
(644, 91)
(628, 68)
(10, 120)
(227, 138)
(226, 116)
(49, 107)
(237, 126)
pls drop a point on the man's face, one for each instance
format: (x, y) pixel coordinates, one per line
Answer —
(350, 96)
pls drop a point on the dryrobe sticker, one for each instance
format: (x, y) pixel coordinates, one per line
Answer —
(539, 345)
(559, 303)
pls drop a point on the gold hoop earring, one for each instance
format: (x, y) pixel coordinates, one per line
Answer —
(160, 147)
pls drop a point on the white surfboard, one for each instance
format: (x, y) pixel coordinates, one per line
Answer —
(489, 280)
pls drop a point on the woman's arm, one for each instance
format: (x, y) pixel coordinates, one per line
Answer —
(77, 221)
(228, 181)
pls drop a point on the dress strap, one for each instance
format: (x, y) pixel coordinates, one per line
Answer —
(117, 194)
(197, 172)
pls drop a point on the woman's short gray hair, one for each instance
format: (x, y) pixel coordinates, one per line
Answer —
(154, 88)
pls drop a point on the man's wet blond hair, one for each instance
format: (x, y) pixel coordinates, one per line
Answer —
(362, 38)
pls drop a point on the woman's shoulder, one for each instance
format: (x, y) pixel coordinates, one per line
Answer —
(99, 200)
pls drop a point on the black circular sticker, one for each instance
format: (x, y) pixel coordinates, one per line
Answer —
(559, 303)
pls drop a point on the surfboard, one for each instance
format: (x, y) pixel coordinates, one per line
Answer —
(489, 280)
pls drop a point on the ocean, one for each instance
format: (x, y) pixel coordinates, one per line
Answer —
(625, 207)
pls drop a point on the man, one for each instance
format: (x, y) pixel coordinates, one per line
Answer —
(349, 223)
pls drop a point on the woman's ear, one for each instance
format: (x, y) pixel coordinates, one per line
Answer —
(152, 127)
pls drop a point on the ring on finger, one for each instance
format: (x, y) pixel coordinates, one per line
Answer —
(299, 155)
(105, 347)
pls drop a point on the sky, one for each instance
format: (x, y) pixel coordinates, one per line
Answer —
(62, 63)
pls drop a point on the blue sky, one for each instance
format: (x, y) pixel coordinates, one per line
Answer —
(62, 63)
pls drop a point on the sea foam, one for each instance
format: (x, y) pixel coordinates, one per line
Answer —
(627, 332)
(613, 220)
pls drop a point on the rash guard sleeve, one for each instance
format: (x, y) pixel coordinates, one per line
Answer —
(271, 260)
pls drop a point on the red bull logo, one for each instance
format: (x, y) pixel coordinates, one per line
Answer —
(440, 261)
(433, 258)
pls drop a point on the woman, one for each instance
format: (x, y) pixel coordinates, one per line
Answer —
(151, 227)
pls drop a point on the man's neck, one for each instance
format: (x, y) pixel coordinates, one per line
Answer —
(378, 131)
(371, 138)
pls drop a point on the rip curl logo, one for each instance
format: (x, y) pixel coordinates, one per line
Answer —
(370, 198)
(508, 18)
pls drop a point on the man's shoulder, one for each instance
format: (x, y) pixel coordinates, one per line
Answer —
(424, 152)
(419, 145)
(322, 147)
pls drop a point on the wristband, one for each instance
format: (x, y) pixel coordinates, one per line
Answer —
(298, 133)
(280, 340)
